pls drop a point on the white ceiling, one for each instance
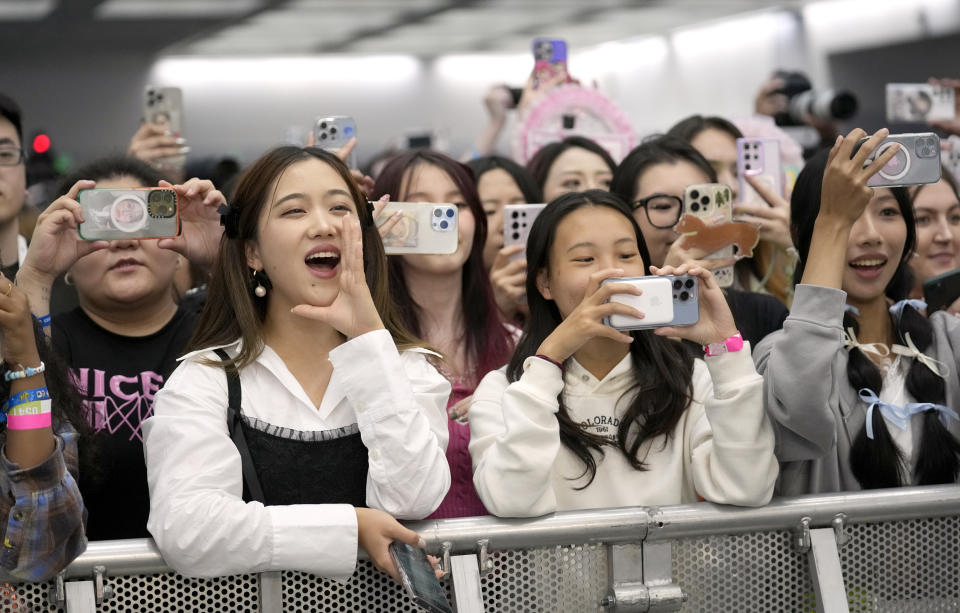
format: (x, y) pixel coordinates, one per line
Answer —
(431, 28)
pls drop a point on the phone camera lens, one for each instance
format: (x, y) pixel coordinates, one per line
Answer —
(444, 225)
(677, 284)
(694, 207)
(450, 213)
(684, 296)
(515, 226)
(694, 194)
(333, 130)
(437, 213)
(323, 125)
(323, 136)
(747, 166)
(515, 214)
(516, 236)
(705, 200)
(688, 284)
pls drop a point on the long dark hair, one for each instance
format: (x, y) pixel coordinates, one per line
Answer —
(877, 463)
(524, 180)
(662, 367)
(231, 311)
(541, 162)
(488, 344)
(688, 128)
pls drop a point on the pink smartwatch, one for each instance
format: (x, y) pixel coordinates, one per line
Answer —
(734, 343)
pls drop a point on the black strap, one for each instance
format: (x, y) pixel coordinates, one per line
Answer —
(236, 430)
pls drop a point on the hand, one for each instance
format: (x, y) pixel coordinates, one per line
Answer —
(586, 321)
(56, 245)
(845, 194)
(352, 312)
(16, 327)
(679, 254)
(533, 94)
(716, 322)
(375, 531)
(388, 225)
(152, 142)
(954, 309)
(498, 101)
(769, 101)
(772, 219)
(951, 126)
(199, 239)
(509, 280)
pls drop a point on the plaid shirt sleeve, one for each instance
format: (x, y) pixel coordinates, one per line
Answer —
(42, 516)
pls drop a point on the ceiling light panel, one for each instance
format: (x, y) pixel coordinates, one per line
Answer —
(25, 10)
(173, 9)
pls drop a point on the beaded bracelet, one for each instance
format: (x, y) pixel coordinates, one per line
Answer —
(23, 373)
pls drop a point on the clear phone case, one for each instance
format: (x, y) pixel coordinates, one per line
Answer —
(424, 228)
(334, 132)
(112, 214)
(916, 163)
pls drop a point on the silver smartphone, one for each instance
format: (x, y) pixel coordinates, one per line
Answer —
(668, 300)
(163, 106)
(916, 163)
(424, 227)
(332, 133)
(131, 213)
(517, 221)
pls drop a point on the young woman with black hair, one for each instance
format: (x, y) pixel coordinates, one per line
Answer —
(336, 416)
(574, 164)
(861, 386)
(42, 526)
(501, 181)
(585, 416)
(448, 301)
(653, 178)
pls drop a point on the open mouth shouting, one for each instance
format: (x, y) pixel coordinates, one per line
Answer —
(323, 261)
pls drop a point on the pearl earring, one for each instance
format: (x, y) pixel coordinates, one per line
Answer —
(260, 291)
(262, 283)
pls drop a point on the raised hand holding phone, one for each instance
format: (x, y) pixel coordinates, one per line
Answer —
(199, 238)
(585, 322)
(352, 312)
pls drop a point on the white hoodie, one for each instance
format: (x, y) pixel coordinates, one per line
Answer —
(720, 450)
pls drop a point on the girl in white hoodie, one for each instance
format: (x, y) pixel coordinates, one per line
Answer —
(585, 416)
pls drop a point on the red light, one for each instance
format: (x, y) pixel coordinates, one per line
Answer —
(41, 143)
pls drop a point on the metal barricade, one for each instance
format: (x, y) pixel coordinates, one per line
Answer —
(890, 550)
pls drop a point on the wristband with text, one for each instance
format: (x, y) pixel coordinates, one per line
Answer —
(730, 345)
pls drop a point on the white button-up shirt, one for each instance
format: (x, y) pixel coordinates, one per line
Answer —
(197, 515)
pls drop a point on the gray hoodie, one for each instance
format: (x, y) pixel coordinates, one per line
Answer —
(815, 411)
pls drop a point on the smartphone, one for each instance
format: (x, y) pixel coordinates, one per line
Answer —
(135, 213)
(668, 300)
(712, 203)
(941, 291)
(916, 163)
(332, 133)
(418, 578)
(920, 102)
(549, 59)
(424, 228)
(164, 106)
(517, 220)
(758, 158)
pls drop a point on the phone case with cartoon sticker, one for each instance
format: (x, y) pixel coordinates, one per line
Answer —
(424, 228)
(713, 203)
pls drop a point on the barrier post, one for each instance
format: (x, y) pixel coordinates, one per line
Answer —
(80, 597)
(271, 599)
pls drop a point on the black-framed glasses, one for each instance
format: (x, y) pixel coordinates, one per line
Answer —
(662, 211)
(11, 156)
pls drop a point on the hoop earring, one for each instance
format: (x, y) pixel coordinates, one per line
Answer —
(260, 282)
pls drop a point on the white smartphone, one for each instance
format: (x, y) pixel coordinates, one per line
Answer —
(164, 106)
(758, 158)
(517, 220)
(332, 133)
(713, 203)
(424, 228)
(668, 300)
(920, 102)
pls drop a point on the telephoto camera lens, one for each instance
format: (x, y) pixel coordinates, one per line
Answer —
(689, 284)
(684, 296)
(677, 284)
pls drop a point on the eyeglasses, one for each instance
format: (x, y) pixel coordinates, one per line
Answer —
(10, 156)
(662, 211)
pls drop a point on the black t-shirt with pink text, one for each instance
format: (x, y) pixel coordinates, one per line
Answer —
(117, 377)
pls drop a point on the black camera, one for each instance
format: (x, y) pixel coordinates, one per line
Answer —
(806, 102)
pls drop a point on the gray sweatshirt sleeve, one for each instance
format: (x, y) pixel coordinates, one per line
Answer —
(797, 364)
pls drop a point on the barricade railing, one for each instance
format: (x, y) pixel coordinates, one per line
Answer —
(885, 550)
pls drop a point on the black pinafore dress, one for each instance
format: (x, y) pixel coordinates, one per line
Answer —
(283, 466)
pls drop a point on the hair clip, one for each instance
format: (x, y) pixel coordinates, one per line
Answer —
(230, 220)
(936, 366)
(850, 342)
(898, 416)
(896, 309)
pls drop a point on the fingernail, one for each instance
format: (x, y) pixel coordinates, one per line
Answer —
(184, 149)
(167, 133)
(422, 544)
